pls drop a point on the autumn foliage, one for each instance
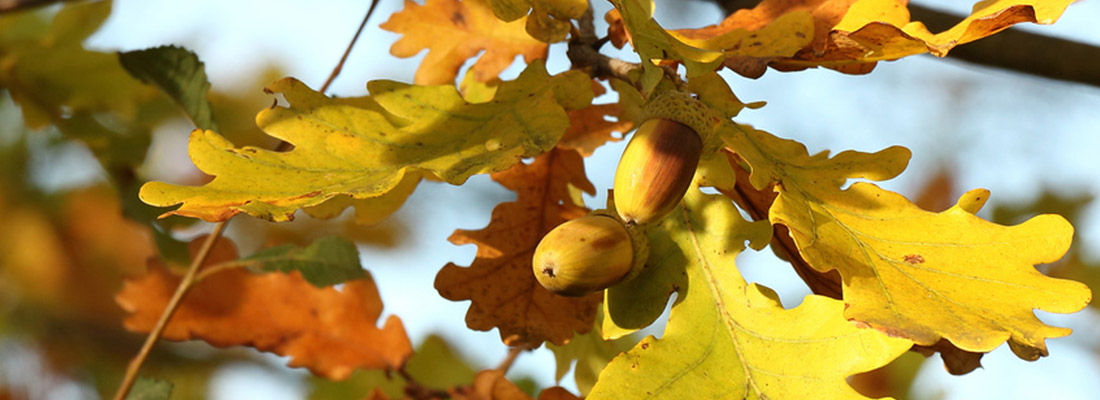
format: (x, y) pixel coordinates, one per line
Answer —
(888, 275)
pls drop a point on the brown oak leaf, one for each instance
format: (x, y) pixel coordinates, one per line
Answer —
(331, 332)
(503, 291)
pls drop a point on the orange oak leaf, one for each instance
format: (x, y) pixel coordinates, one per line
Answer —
(331, 332)
(851, 36)
(503, 291)
(589, 128)
(454, 31)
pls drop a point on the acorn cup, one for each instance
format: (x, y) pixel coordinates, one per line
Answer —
(658, 164)
(588, 254)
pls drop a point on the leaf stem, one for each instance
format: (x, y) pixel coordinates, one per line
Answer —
(177, 299)
(513, 353)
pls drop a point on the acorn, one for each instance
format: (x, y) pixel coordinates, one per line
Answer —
(659, 162)
(587, 254)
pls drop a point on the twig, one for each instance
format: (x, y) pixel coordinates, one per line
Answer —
(340, 65)
(192, 275)
(506, 364)
(177, 299)
(284, 146)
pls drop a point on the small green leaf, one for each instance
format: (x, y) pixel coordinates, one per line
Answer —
(179, 73)
(150, 389)
(326, 262)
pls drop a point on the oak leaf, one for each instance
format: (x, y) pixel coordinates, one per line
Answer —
(503, 291)
(589, 128)
(908, 272)
(364, 148)
(548, 20)
(489, 385)
(331, 332)
(178, 72)
(725, 338)
(653, 43)
(454, 31)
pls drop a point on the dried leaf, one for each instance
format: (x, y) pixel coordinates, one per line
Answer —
(454, 31)
(352, 147)
(331, 332)
(726, 338)
(503, 291)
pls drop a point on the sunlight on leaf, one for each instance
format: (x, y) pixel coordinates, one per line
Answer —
(729, 339)
(350, 146)
(908, 272)
(454, 31)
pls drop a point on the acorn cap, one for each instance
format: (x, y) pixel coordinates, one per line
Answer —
(684, 108)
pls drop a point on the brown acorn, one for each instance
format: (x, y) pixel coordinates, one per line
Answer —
(656, 170)
(584, 255)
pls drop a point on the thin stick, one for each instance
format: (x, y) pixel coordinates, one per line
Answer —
(513, 353)
(344, 58)
(284, 146)
(190, 278)
(173, 304)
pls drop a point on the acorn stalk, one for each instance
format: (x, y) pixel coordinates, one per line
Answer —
(655, 170)
(584, 255)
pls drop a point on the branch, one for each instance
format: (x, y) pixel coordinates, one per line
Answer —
(584, 53)
(1012, 49)
(170, 309)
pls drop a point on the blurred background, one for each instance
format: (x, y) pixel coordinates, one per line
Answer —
(65, 245)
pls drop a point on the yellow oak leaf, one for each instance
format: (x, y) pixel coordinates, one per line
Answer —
(500, 285)
(548, 20)
(454, 31)
(909, 272)
(365, 147)
(331, 332)
(726, 339)
(653, 43)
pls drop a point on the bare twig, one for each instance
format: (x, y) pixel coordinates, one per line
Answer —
(177, 299)
(284, 146)
(192, 275)
(340, 65)
(506, 364)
